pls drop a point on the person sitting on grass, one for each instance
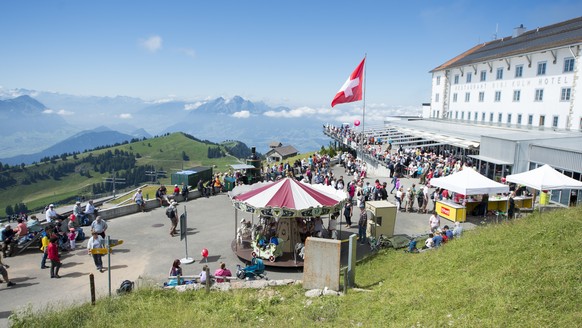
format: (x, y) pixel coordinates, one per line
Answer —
(429, 243)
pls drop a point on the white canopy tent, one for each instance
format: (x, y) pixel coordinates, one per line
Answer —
(544, 178)
(469, 182)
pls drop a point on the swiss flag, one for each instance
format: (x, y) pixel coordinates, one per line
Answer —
(351, 90)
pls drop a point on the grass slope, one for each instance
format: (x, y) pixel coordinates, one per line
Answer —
(163, 152)
(526, 273)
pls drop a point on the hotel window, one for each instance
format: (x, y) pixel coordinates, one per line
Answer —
(490, 117)
(476, 116)
(555, 121)
(436, 97)
(516, 95)
(468, 116)
(483, 76)
(530, 119)
(542, 68)
(455, 97)
(497, 95)
(483, 117)
(456, 79)
(463, 115)
(467, 96)
(539, 95)
(565, 94)
(542, 120)
(518, 119)
(519, 71)
(499, 117)
(508, 118)
(568, 65)
(456, 115)
(438, 80)
(469, 77)
(499, 75)
(580, 124)
(481, 96)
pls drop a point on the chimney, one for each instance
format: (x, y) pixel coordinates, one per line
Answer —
(518, 31)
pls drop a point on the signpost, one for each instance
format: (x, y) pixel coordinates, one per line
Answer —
(184, 236)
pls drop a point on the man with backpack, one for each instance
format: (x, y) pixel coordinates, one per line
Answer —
(172, 214)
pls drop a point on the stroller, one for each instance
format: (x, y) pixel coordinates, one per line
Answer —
(256, 269)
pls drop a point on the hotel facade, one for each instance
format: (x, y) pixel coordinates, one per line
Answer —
(529, 80)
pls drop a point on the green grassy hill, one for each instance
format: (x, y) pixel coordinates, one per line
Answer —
(164, 153)
(526, 273)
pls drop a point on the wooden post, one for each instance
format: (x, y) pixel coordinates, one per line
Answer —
(208, 280)
(346, 280)
(92, 284)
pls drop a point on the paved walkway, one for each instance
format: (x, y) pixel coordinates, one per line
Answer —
(148, 251)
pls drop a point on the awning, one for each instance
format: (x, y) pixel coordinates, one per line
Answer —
(242, 166)
(490, 160)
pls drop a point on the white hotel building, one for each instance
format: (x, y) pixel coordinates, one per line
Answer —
(509, 105)
(528, 80)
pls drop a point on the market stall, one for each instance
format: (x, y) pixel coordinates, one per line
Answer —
(545, 178)
(467, 183)
(282, 210)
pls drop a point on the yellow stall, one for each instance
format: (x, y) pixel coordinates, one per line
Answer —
(466, 182)
(451, 211)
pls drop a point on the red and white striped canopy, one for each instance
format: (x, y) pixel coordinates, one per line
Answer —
(287, 198)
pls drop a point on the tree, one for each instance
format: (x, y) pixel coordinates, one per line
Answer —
(9, 210)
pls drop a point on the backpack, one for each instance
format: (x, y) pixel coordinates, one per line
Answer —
(170, 212)
(125, 287)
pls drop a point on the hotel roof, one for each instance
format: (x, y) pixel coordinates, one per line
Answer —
(552, 36)
(469, 135)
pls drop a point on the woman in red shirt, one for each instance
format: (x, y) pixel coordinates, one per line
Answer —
(53, 255)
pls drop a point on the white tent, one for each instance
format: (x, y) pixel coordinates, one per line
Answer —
(544, 178)
(469, 182)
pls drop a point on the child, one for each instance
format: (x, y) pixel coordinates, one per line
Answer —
(203, 275)
(72, 236)
(44, 249)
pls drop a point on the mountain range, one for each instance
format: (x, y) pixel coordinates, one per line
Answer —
(40, 124)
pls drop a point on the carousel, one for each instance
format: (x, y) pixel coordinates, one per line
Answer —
(278, 216)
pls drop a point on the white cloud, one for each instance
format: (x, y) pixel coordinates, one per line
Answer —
(188, 52)
(375, 113)
(125, 116)
(152, 44)
(242, 114)
(194, 105)
(61, 112)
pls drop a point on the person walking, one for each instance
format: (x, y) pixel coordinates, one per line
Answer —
(434, 222)
(96, 241)
(99, 226)
(53, 255)
(362, 225)
(4, 273)
(45, 241)
(172, 214)
(348, 212)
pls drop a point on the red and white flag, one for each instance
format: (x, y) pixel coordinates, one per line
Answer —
(351, 90)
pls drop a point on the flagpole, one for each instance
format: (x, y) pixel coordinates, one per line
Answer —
(364, 105)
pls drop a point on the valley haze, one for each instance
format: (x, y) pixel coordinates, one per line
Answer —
(36, 124)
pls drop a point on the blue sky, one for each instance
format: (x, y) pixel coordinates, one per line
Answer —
(293, 53)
